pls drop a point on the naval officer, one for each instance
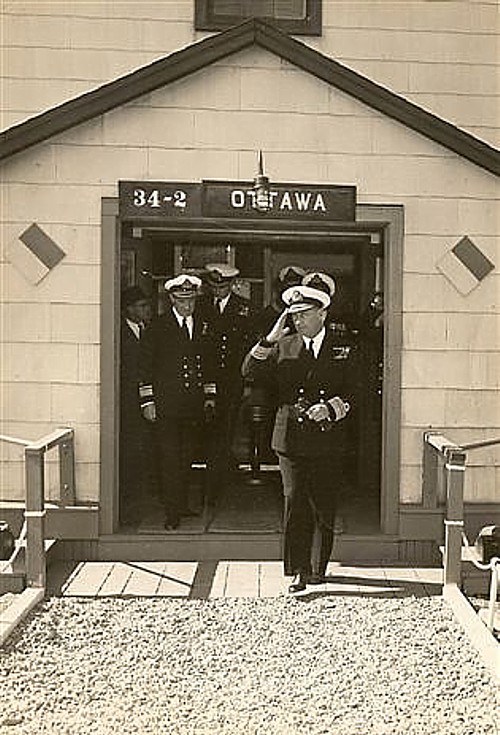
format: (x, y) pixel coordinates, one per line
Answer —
(229, 322)
(314, 410)
(177, 390)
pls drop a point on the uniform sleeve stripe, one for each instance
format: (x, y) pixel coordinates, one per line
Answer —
(339, 406)
(260, 353)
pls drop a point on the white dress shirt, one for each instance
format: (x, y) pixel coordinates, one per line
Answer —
(316, 341)
(221, 304)
(135, 327)
(180, 321)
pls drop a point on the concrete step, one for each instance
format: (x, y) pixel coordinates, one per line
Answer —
(13, 576)
(242, 546)
(14, 582)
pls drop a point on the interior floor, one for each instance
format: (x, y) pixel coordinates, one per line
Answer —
(250, 503)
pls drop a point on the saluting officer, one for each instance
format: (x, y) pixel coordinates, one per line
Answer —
(314, 402)
(289, 275)
(177, 388)
(229, 327)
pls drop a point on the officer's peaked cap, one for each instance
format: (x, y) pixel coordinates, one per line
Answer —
(183, 286)
(301, 298)
(220, 272)
(319, 280)
(291, 274)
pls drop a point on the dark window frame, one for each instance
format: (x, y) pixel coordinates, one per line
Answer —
(311, 25)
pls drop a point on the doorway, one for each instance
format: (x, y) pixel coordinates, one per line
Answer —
(253, 500)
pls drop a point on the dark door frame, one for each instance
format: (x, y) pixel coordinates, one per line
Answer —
(383, 223)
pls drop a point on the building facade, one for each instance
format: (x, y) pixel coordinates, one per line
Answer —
(397, 104)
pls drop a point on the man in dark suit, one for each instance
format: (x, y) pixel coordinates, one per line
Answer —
(314, 399)
(229, 328)
(177, 390)
(135, 478)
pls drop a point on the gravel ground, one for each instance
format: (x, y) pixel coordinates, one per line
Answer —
(320, 665)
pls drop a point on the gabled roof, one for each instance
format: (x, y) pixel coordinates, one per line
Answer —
(214, 48)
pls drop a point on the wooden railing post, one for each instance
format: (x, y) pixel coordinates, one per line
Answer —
(67, 470)
(429, 473)
(35, 517)
(454, 521)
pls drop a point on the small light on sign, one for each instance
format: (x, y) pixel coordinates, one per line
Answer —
(262, 199)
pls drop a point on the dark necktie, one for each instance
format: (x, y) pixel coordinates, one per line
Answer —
(218, 306)
(185, 328)
(310, 349)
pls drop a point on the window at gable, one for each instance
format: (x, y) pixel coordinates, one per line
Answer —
(297, 17)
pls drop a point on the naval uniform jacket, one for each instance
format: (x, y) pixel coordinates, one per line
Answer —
(129, 374)
(176, 373)
(230, 338)
(297, 373)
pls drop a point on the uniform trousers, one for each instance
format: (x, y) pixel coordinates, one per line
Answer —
(221, 458)
(310, 513)
(178, 442)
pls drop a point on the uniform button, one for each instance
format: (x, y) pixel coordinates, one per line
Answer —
(224, 337)
(186, 385)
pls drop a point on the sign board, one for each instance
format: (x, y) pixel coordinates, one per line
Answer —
(227, 199)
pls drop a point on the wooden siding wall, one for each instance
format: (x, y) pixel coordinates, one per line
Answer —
(208, 126)
(440, 55)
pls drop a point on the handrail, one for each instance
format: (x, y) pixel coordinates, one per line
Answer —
(444, 467)
(478, 445)
(34, 514)
(14, 440)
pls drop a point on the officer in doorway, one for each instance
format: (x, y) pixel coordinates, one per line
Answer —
(136, 477)
(177, 390)
(314, 410)
(229, 326)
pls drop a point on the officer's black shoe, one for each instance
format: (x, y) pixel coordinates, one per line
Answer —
(171, 523)
(316, 579)
(298, 585)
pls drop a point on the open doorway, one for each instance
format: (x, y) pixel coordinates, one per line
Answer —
(253, 499)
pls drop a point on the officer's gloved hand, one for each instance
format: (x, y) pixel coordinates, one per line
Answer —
(149, 412)
(318, 412)
(279, 329)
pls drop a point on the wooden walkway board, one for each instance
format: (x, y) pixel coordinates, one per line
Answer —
(243, 579)
(87, 579)
(116, 581)
(236, 579)
(145, 579)
(177, 579)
